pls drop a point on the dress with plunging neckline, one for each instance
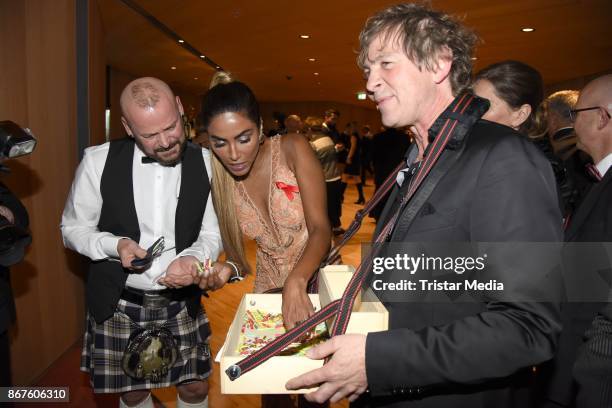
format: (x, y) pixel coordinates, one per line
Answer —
(282, 239)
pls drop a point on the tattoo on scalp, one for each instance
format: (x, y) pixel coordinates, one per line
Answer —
(145, 95)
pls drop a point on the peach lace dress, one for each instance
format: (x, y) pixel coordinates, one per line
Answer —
(279, 245)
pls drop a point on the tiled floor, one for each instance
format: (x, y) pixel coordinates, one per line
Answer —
(220, 309)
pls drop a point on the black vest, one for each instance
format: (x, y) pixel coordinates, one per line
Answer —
(106, 279)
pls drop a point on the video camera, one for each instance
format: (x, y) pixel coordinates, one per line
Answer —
(15, 141)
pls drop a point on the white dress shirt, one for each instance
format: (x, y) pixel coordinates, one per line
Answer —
(156, 191)
(604, 165)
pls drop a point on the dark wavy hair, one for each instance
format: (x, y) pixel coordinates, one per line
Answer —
(424, 35)
(517, 84)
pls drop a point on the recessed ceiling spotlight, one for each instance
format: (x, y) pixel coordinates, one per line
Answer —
(196, 78)
(312, 59)
(304, 36)
(181, 41)
(202, 56)
(474, 58)
(316, 73)
(527, 29)
(218, 67)
(172, 67)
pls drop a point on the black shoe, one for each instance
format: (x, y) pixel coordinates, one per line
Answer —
(360, 201)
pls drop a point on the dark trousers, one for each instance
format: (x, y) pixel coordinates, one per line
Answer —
(5, 358)
(334, 202)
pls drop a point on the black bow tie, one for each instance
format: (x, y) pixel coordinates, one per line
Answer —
(148, 160)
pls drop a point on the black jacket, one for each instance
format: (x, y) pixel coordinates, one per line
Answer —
(591, 222)
(593, 368)
(7, 303)
(498, 188)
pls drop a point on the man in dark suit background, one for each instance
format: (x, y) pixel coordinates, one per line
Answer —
(489, 185)
(593, 368)
(13, 212)
(330, 128)
(593, 219)
(592, 222)
(574, 181)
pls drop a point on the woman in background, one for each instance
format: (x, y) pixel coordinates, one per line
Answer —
(259, 187)
(515, 91)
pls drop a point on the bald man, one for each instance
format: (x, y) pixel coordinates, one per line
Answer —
(145, 325)
(592, 222)
(593, 219)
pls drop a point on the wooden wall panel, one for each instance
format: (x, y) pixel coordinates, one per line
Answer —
(575, 83)
(38, 90)
(97, 76)
(118, 81)
(348, 113)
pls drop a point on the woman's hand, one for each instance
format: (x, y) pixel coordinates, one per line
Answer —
(297, 306)
(215, 277)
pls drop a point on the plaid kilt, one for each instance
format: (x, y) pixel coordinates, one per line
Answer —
(104, 344)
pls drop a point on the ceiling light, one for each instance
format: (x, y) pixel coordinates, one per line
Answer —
(316, 73)
(202, 56)
(196, 78)
(172, 67)
(474, 58)
(361, 96)
(304, 36)
(218, 67)
(181, 41)
(527, 29)
(312, 59)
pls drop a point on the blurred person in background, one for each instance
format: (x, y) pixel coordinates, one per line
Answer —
(323, 146)
(278, 125)
(14, 237)
(555, 129)
(591, 222)
(515, 91)
(352, 171)
(366, 153)
(293, 124)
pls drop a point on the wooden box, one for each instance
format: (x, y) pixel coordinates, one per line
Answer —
(270, 378)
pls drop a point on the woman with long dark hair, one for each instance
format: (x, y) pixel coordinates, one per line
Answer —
(259, 188)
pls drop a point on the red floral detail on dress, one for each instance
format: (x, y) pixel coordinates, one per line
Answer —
(288, 189)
